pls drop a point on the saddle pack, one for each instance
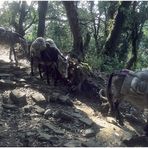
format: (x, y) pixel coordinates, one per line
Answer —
(135, 83)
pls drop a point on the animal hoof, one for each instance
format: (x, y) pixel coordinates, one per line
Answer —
(146, 130)
(32, 74)
(121, 123)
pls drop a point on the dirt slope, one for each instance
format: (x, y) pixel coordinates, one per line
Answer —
(35, 114)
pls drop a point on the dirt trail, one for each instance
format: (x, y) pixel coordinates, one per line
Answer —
(35, 114)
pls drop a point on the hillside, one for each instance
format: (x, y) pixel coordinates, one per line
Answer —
(35, 114)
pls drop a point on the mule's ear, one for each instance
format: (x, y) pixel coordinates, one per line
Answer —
(59, 56)
(67, 57)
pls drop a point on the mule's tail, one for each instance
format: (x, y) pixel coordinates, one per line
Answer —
(109, 92)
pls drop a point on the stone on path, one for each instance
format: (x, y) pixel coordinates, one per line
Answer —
(52, 128)
(18, 97)
(73, 143)
(7, 84)
(89, 133)
(9, 106)
(27, 108)
(38, 98)
(39, 109)
(44, 137)
(86, 121)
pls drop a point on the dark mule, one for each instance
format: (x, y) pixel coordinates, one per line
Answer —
(53, 63)
(130, 86)
(50, 59)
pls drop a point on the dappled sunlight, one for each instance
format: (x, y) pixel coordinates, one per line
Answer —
(95, 116)
(4, 53)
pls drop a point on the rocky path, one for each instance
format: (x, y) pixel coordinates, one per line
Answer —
(35, 114)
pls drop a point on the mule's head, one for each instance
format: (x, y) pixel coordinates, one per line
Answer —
(40, 43)
(37, 46)
(63, 65)
(51, 42)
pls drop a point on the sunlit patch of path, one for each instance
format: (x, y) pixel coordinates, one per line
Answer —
(4, 54)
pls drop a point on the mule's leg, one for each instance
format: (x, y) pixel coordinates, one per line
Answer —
(47, 74)
(146, 126)
(31, 64)
(118, 115)
(54, 73)
(10, 54)
(146, 129)
(40, 72)
(12, 50)
(15, 58)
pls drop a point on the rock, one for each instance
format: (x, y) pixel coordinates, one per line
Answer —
(21, 80)
(35, 115)
(27, 108)
(18, 97)
(86, 121)
(73, 143)
(54, 140)
(7, 84)
(4, 67)
(30, 134)
(92, 143)
(52, 128)
(65, 100)
(63, 116)
(44, 137)
(111, 120)
(89, 133)
(48, 113)
(26, 85)
(5, 75)
(77, 115)
(39, 109)
(9, 106)
(38, 98)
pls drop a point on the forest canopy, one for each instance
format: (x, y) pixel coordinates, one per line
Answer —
(106, 34)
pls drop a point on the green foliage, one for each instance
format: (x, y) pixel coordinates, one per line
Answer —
(142, 61)
(111, 64)
(57, 28)
(144, 43)
(93, 60)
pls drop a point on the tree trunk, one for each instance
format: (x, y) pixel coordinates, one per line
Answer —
(21, 11)
(134, 47)
(78, 50)
(110, 15)
(22, 18)
(111, 43)
(134, 37)
(42, 10)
